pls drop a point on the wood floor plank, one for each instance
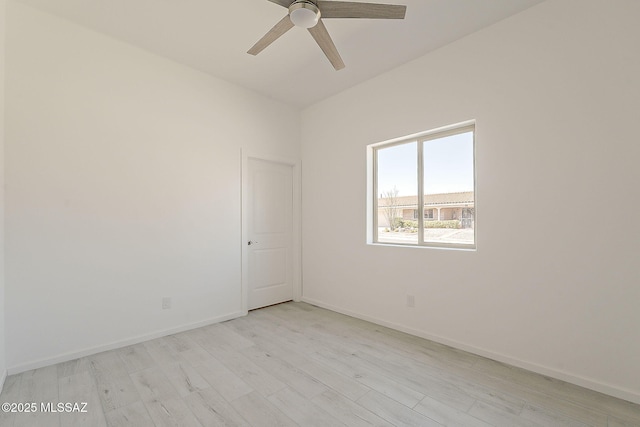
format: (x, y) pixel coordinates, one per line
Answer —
(381, 341)
(10, 393)
(80, 389)
(211, 409)
(421, 377)
(498, 417)
(549, 418)
(171, 413)
(569, 409)
(335, 380)
(258, 411)
(267, 340)
(116, 391)
(542, 397)
(617, 422)
(259, 379)
(447, 415)
(179, 342)
(226, 338)
(38, 386)
(134, 415)
(195, 355)
(222, 380)
(136, 358)
(558, 390)
(302, 410)
(184, 378)
(72, 367)
(289, 331)
(162, 352)
(115, 388)
(370, 378)
(153, 384)
(394, 412)
(11, 388)
(299, 381)
(443, 391)
(107, 362)
(347, 411)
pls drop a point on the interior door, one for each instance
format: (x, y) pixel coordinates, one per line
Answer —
(270, 232)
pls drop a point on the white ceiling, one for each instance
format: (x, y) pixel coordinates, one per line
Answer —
(214, 35)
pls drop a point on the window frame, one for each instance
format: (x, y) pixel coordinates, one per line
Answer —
(372, 183)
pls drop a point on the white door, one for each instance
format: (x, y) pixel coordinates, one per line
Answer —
(270, 233)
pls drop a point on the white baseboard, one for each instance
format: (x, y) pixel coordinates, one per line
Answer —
(119, 344)
(621, 393)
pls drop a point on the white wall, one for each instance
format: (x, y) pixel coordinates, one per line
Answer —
(123, 187)
(3, 364)
(554, 285)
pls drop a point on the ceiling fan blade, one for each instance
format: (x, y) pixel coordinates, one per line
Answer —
(283, 3)
(278, 30)
(347, 9)
(322, 37)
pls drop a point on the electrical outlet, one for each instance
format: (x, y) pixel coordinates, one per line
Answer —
(411, 301)
(166, 303)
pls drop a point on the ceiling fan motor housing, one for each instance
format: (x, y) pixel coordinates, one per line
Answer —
(304, 14)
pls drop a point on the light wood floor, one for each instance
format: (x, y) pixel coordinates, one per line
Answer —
(298, 365)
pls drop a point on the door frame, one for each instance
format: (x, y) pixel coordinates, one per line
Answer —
(297, 223)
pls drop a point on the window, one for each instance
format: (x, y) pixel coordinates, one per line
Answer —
(428, 214)
(432, 172)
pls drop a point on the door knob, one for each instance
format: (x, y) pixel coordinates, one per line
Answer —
(251, 242)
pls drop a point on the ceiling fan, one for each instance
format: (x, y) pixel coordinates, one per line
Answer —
(309, 14)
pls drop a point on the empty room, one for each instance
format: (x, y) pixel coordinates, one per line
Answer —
(452, 241)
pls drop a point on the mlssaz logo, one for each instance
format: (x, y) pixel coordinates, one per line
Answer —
(63, 407)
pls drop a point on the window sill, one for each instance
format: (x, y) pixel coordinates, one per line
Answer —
(466, 248)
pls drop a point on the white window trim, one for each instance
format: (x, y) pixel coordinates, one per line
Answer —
(372, 191)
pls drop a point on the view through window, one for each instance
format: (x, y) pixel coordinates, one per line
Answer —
(435, 172)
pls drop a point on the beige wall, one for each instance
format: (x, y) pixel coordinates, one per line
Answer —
(3, 364)
(552, 89)
(123, 187)
(408, 213)
(447, 214)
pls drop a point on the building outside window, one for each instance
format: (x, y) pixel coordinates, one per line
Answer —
(433, 173)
